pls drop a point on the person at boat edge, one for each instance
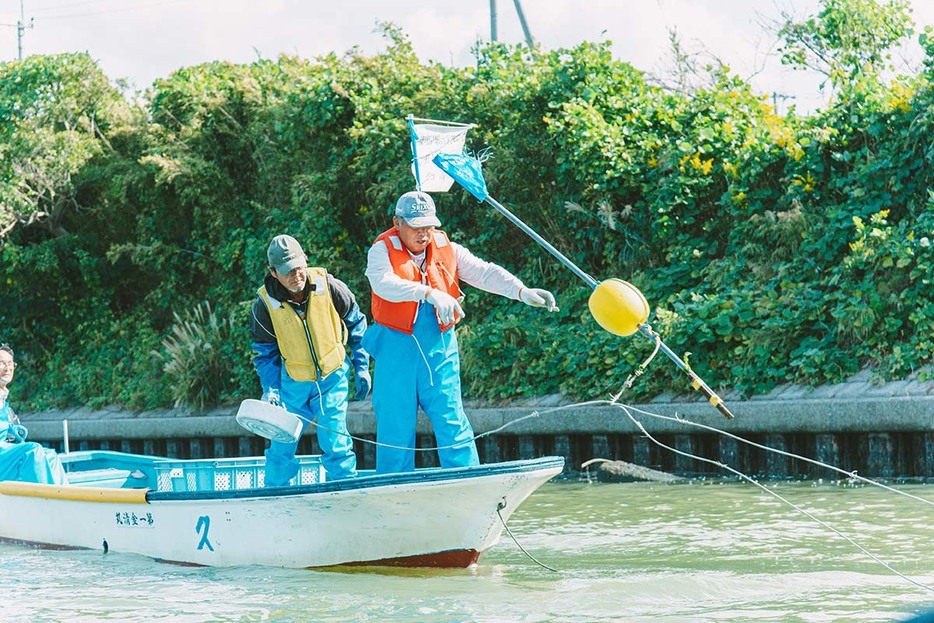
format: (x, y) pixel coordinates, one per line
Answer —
(301, 324)
(22, 460)
(414, 272)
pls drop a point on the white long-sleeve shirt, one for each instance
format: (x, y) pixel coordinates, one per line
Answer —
(470, 269)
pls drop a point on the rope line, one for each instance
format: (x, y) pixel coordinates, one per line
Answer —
(499, 508)
(641, 369)
(628, 410)
(852, 475)
(804, 512)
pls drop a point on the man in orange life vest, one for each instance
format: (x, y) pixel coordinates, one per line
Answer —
(414, 271)
(299, 324)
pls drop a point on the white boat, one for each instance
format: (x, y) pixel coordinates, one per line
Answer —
(216, 512)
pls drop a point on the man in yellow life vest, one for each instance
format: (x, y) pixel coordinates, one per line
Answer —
(414, 271)
(300, 324)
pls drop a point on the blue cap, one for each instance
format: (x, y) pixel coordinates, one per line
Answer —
(417, 209)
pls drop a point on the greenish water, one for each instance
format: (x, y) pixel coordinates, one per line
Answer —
(623, 552)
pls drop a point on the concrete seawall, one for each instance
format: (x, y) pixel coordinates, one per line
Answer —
(876, 430)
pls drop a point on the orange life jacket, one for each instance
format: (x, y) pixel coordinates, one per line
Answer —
(440, 273)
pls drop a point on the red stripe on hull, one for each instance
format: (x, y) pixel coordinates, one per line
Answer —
(451, 559)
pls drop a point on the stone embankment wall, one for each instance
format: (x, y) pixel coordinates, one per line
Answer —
(879, 431)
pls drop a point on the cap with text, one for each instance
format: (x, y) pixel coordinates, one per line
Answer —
(417, 209)
(285, 254)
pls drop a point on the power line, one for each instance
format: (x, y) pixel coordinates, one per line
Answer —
(56, 7)
(117, 10)
(21, 24)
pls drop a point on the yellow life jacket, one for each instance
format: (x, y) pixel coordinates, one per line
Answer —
(315, 343)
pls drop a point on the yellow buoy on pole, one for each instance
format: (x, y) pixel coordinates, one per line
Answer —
(618, 306)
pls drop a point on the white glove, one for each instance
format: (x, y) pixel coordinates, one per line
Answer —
(271, 396)
(536, 297)
(446, 305)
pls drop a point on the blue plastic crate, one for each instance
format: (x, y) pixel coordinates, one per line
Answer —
(229, 474)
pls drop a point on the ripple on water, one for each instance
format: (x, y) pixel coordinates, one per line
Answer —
(637, 552)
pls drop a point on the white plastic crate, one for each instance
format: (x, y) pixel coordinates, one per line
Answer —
(229, 474)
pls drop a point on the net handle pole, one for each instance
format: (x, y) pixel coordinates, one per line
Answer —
(413, 139)
(541, 241)
(442, 122)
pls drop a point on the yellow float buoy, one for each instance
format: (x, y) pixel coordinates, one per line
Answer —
(618, 307)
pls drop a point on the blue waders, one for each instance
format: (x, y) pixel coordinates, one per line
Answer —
(325, 400)
(422, 369)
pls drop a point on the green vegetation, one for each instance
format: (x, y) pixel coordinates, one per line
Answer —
(773, 248)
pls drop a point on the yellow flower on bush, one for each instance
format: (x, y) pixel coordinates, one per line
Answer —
(795, 151)
(899, 97)
(704, 166)
(806, 182)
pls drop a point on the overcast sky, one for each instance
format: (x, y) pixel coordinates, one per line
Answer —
(142, 40)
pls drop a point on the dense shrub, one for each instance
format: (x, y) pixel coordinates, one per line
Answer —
(772, 248)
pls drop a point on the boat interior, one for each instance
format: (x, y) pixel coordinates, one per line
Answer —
(110, 469)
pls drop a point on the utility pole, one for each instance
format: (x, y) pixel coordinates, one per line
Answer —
(520, 13)
(776, 97)
(492, 20)
(525, 26)
(21, 27)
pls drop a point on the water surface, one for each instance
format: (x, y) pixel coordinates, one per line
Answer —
(711, 551)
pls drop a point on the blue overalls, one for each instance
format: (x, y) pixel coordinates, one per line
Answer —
(326, 400)
(422, 369)
(27, 461)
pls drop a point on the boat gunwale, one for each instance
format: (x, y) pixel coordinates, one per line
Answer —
(419, 476)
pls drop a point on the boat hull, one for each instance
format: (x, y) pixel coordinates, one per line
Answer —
(433, 518)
